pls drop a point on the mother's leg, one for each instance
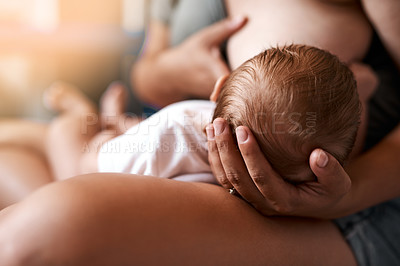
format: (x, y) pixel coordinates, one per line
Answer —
(123, 220)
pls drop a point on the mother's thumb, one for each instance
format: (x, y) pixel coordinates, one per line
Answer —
(222, 30)
(329, 172)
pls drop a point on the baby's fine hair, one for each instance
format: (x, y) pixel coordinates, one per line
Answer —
(294, 99)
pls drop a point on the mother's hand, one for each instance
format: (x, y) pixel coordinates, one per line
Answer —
(249, 172)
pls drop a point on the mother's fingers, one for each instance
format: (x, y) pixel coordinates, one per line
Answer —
(277, 193)
(233, 164)
(218, 32)
(214, 159)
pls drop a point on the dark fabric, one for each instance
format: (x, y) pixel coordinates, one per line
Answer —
(374, 234)
(384, 106)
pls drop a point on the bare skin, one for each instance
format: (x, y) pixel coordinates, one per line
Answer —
(221, 230)
(384, 17)
(24, 160)
(183, 227)
(78, 200)
(163, 76)
(23, 170)
(270, 23)
(337, 193)
(77, 134)
(384, 20)
(281, 20)
(23, 165)
(28, 243)
(14, 132)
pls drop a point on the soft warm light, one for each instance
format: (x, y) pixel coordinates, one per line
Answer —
(133, 15)
(39, 14)
(14, 73)
(44, 15)
(14, 11)
(84, 42)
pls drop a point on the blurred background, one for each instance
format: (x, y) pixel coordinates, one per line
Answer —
(88, 43)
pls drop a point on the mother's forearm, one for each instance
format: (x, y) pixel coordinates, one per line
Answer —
(155, 81)
(142, 220)
(375, 176)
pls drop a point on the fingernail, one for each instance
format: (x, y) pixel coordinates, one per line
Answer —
(210, 132)
(322, 160)
(241, 135)
(219, 127)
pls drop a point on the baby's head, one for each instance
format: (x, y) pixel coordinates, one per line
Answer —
(294, 99)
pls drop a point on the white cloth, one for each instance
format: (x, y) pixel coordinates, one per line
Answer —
(169, 144)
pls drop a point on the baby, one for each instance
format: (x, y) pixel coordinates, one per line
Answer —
(294, 99)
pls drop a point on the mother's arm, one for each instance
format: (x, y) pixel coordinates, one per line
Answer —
(115, 219)
(165, 74)
(374, 176)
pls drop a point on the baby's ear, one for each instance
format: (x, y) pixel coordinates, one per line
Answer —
(217, 88)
